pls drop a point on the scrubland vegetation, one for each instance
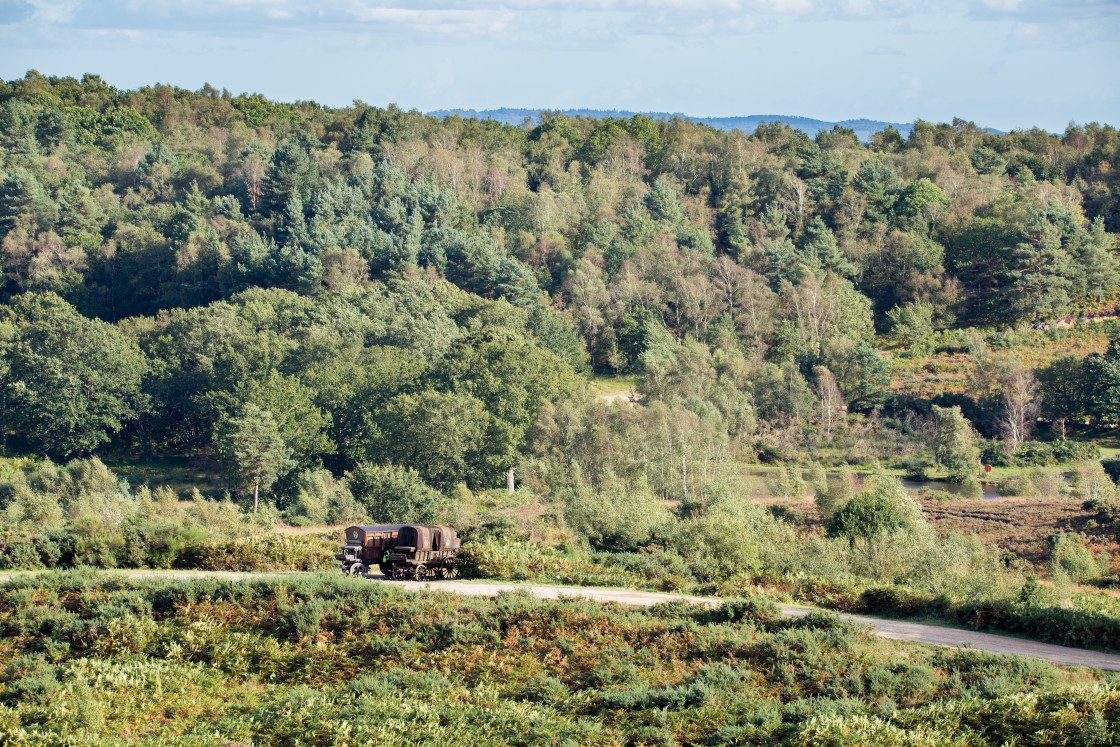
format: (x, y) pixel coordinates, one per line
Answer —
(336, 661)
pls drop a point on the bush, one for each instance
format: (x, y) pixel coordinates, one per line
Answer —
(1069, 553)
(886, 510)
(1043, 454)
(1074, 451)
(1112, 469)
(618, 517)
(391, 494)
(316, 497)
(265, 553)
(730, 537)
(918, 467)
(785, 482)
(994, 452)
(787, 514)
(831, 495)
(755, 610)
(899, 600)
(1090, 482)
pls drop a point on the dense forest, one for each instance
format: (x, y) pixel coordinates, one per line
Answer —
(368, 291)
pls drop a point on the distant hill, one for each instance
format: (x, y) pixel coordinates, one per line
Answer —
(864, 128)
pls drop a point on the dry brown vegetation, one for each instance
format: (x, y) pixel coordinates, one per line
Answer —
(1019, 525)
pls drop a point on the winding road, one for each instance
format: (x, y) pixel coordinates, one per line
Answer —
(895, 629)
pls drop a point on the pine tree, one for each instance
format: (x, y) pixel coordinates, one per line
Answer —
(249, 442)
(1039, 273)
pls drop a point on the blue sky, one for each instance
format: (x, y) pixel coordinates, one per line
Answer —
(1000, 63)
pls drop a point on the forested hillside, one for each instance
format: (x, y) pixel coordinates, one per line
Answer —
(293, 294)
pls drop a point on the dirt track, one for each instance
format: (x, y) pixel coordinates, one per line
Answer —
(896, 629)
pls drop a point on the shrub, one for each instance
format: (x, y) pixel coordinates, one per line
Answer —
(728, 538)
(785, 482)
(1090, 483)
(1074, 451)
(831, 495)
(818, 480)
(1043, 454)
(265, 553)
(1112, 469)
(316, 497)
(1069, 553)
(754, 610)
(888, 509)
(787, 514)
(994, 452)
(918, 467)
(391, 494)
(973, 488)
(898, 600)
(617, 517)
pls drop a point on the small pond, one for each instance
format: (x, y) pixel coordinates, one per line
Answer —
(990, 490)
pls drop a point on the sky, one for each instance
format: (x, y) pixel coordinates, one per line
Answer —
(1005, 64)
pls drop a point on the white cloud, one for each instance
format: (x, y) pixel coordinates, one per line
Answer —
(437, 19)
(532, 22)
(127, 34)
(1004, 6)
(54, 11)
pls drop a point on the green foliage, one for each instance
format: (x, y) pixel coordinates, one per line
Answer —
(250, 444)
(1112, 468)
(730, 537)
(1043, 453)
(69, 381)
(955, 449)
(1102, 382)
(1069, 554)
(869, 515)
(831, 495)
(443, 436)
(913, 325)
(786, 482)
(513, 379)
(316, 497)
(391, 494)
(617, 517)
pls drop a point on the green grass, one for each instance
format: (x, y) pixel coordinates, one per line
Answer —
(606, 385)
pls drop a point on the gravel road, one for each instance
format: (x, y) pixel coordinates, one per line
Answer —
(896, 629)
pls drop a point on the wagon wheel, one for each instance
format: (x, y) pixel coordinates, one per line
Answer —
(449, 572)
(422, 573)
(358, 570)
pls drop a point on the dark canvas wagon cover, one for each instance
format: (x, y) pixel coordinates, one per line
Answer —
(426, 538)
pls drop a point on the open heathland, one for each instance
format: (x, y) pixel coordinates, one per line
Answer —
(334, 661)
